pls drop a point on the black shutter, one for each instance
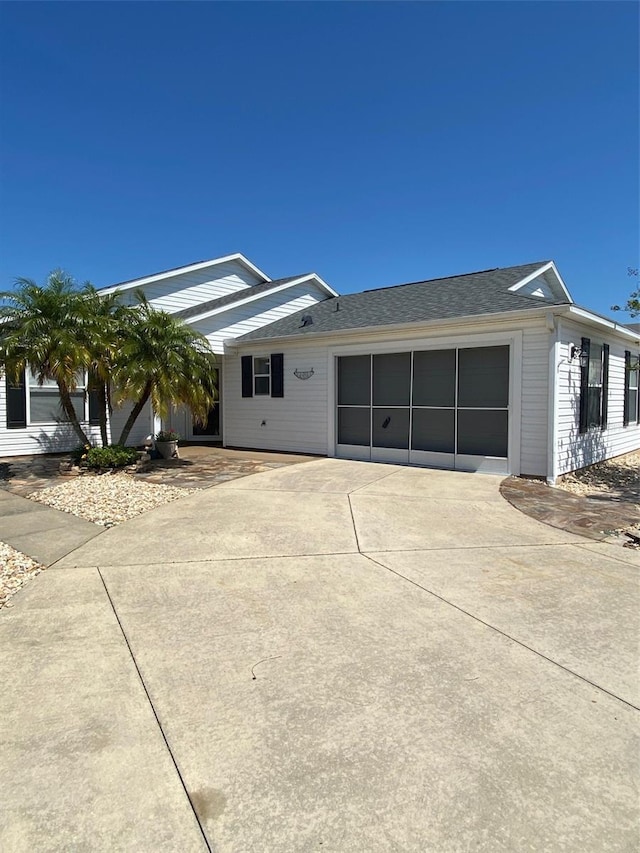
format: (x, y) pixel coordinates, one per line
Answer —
(94, 405)
(605, 385)
(247, 376)
(585, 348)
(16, 403)
(277, 374)
(627, 382)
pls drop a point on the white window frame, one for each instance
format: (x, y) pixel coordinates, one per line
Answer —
(51, 388)
(262, 375)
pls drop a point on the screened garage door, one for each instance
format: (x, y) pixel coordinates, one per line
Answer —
(447, 408)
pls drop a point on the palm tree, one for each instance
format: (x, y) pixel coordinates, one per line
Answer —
(42, 329)
(162, 359)
(106, 322)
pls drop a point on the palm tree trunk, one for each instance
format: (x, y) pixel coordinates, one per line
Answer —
(126, 429)
(102, 412)
(70, 412)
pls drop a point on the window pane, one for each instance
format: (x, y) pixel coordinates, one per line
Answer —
(483, 377)
(433, 430)
(434, 378)
(391, 379)
(595, 364)
(354, 426)
(46, 408)
(594, 410)
(633, 379)
(262, 385)
(51, 383)
(391, 428)
(261, 365)
(483, 433)
(354, 380)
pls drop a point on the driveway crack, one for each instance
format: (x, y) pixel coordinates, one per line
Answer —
(502, 633)
(155, 713)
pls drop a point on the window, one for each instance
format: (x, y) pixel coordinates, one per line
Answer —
(594, 385)
(263, 375)
(42, 402)
(631, 390)
(45, 405)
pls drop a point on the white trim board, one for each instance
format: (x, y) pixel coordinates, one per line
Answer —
(537, 273)
(256, 296)
(139, 282)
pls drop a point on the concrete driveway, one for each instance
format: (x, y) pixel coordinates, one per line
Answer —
(330, 656)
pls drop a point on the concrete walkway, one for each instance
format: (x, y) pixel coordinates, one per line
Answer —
(334, 655)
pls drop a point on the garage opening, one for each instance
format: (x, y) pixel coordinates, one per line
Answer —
(445, 408)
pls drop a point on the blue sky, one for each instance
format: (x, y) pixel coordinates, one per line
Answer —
(373, 143)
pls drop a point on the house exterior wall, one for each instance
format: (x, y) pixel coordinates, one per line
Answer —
(185, 290)
(302, 420)
(142, 427)
(573, 450)
(38, 438)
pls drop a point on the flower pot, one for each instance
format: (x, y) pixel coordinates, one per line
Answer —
(167, 449)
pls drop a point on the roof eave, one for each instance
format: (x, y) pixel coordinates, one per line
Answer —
(467, 319)
(586, 316)
(253, 298)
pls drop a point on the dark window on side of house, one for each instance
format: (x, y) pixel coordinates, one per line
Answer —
(631, 390)
(594, 385)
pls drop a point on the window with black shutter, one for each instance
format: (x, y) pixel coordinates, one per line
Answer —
(631, 391)
(594, 385)
(16, 402)
(262, 375)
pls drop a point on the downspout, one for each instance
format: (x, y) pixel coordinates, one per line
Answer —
(552, 404)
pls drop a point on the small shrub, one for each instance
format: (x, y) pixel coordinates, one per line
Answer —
(167, 435)
(114, 456)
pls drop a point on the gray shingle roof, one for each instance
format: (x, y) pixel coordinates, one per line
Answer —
(236, 296)
(485, 292)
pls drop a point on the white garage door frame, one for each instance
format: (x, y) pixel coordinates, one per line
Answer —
(512, 338)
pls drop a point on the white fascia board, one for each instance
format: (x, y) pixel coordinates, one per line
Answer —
(139, 282)
(541, 271)
(600, 321)
(256, 297)
(324, 284)
(428, 325)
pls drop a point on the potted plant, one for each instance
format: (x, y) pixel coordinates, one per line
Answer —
(167, 443)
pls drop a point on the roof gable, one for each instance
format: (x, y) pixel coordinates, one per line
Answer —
(177, 271)
(544, 282)
(249, 294)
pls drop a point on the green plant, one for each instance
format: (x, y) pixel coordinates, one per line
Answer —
(162, 359)
(113, 456)
(167, 435)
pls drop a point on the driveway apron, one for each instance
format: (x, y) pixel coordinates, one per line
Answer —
(336, 655)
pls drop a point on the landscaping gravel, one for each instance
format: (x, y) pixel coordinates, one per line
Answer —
(619, 478)
(108, 499)
(15, 570)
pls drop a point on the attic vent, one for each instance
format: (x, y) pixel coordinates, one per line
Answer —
(307, 320)
(538, 292)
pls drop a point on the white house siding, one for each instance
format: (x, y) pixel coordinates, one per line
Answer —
(300, 421)
(188, 289)
(38, 438)
(297, 421)
(573, 450)
(142, 427)
(234, 322)
(535, 399)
